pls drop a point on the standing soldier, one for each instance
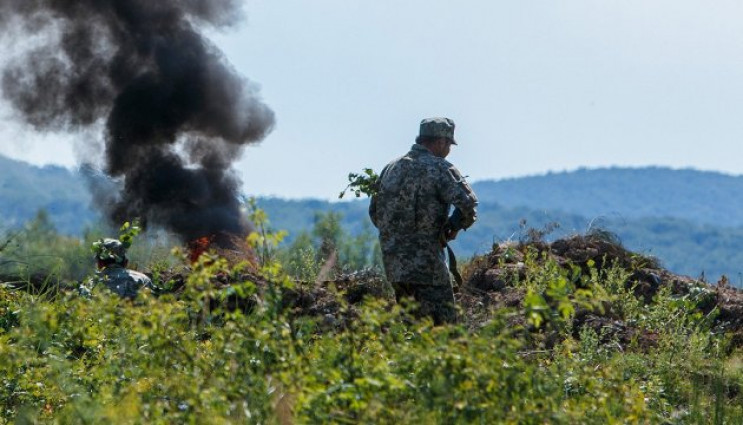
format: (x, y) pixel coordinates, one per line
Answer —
(411, 210)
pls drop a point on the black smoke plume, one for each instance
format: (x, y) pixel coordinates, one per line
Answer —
(175, 114)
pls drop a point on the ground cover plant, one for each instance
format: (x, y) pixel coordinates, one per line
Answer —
(576, 331)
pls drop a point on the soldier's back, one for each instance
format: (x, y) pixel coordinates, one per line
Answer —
(408, 201)
(124, 282)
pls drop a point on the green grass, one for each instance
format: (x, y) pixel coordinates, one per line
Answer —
(67, 359)
(186, 358)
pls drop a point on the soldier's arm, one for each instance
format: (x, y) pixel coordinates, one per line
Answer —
(456, 191)
(373, 210)
(374, 197)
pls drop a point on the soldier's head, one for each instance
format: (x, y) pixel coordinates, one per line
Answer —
(437, 135)
(110, 252)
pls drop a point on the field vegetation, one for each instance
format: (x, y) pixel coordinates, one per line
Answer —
(574, 331)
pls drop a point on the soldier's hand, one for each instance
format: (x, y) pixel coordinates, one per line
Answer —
(450, 234)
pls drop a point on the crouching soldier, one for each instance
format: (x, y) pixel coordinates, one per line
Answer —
(110, 255)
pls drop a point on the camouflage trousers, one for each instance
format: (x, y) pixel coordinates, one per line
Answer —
(434, 301)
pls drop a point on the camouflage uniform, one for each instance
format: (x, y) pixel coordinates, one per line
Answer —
(411, 211)
(117, 278)
(121, 281)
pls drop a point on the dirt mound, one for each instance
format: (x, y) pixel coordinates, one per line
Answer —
(491, 280)
(333, 302)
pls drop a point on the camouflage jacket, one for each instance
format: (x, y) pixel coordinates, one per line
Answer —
(123, 282)
(411, 210)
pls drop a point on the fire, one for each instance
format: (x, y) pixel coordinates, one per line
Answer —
(198, 247)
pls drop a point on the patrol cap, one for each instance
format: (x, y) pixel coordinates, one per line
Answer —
(438, 127)
(110, 249)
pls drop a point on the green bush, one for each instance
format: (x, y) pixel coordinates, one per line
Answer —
(175, 360)
(190, 359)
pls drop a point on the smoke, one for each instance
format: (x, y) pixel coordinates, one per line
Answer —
(173, 113)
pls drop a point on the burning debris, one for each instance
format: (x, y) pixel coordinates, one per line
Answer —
(175, 114)
(197, 247)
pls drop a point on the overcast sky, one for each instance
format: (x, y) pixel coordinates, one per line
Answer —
(533, 86)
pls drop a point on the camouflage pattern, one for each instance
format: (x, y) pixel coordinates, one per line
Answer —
(110, 250)
(436, 302)
(121, 281)
(411, 210)
(437, 127)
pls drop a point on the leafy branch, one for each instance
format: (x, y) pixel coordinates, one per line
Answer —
(128, 231)
(365, 182)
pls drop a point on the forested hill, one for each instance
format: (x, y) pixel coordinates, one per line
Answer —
(690, 220)
(25, 189)
(698, 196)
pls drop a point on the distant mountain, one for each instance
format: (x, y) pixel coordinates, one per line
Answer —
(25, 189)
(691, 220)
(682, 246)
(625, 193)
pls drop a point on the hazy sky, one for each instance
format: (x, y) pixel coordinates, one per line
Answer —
(534, 86)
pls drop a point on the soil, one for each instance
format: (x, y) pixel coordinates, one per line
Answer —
(490, 281)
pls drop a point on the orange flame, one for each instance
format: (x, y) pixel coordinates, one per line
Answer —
(198, 247)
